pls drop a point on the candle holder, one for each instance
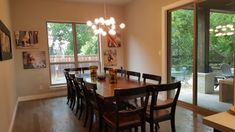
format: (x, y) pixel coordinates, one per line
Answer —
(113, 76)
(93, 71)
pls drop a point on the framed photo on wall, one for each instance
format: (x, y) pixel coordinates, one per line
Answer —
(110, 57)
(26, 39)
(5, 43)
(34, 59)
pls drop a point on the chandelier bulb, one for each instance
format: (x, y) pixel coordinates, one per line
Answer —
(97, 21)
(122, 25)
(104, 33)
(94, 27)
(112, 32)
(89, 23)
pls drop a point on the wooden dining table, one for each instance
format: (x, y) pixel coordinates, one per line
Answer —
(105, 89)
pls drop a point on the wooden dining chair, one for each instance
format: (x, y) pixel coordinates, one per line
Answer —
(106, 69)
(120, 118)
(152, 77)
(160, 113)
(134, 74)
(122, 72)
(67, 71)
(79, 95)
(72, 89)
(85, 69)
(97, 105)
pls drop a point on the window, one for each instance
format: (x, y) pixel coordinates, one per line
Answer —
(70, 45)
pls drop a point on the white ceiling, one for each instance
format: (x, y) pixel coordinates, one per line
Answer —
(114, 2)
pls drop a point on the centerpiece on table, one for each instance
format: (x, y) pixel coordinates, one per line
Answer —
(113, 76)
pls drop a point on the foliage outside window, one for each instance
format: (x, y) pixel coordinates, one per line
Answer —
(220, 49)
(62, 48)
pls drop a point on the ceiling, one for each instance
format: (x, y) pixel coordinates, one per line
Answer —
(222, 5)
(113, 2)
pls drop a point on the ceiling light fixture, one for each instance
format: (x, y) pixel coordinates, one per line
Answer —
(104, 26)
(223, 30)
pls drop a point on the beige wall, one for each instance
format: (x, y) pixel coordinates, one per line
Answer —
(32, 15)
(144, 24)
(7, 85)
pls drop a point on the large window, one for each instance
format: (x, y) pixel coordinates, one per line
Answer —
(70, 45)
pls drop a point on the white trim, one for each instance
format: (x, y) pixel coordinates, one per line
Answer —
(164, 34)
(42, 96)
(13, 116)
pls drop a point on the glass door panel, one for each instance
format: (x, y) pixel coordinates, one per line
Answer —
(215, 55)
(180, 50)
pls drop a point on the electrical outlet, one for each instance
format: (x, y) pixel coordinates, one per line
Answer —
(41, 87)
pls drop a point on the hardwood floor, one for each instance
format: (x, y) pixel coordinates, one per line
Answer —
(54, 115)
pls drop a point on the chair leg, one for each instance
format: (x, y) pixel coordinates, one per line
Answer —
(151, 126)
(100, 122)
(143, 128)
(136, 129)
(78, 104)
(86, 116)
(91, 120)
(81, 110)
(173, 124)
(157, 126)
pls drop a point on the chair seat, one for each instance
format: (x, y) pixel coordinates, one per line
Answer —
(159, 115)
(123, 120)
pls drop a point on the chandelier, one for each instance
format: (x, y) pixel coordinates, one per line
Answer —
(104, 26)
(223, 30)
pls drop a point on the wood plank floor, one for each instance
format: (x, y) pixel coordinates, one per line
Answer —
(54, 115)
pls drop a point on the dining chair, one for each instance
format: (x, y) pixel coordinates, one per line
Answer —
(97, 105)
(152, 77)
(85, 69)
(79, 95)
(120, 118)
(106, 69)
(134, 74)
(159, 113)
(121, 72)
(67, 71)
(72, 89)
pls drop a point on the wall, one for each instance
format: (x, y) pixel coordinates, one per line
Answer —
(32, 15)
(7, 85)
(143, 37)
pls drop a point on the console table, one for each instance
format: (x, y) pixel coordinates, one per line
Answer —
(221, 122)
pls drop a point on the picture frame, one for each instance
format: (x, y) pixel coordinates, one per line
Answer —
(5, 43)
(34, 59)
(26, 39)
(110, 57)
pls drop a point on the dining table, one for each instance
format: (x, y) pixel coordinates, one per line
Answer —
(105, 89)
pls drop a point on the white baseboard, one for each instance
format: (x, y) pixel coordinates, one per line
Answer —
(13, 116)
(43, 96)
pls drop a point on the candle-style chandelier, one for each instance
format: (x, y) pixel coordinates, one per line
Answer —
(104, 26)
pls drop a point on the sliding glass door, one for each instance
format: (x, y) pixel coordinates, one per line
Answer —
(200, 40)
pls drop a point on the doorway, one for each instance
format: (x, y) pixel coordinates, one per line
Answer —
(214, 44)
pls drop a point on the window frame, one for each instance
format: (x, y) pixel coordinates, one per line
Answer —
(75, 56)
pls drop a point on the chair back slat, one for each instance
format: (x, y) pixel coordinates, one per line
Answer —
(133, 73)
(165, 87)
(146, 76)
(122, 95)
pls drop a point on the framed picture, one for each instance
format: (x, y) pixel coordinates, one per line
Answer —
(26, 39)
(5, 43)
(110, 57)
(114, 41)
(34, 59)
